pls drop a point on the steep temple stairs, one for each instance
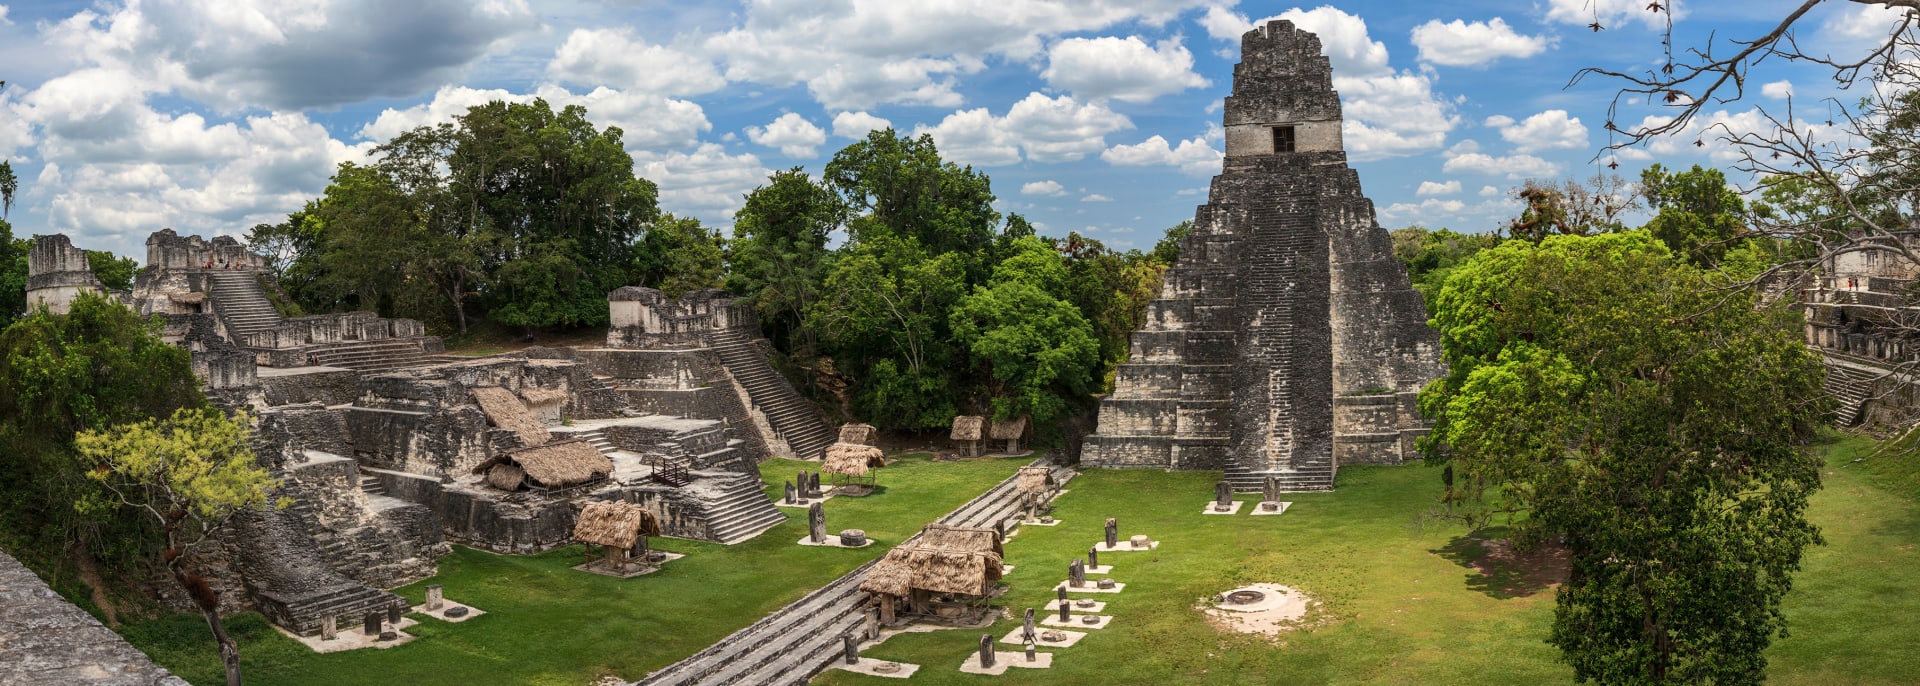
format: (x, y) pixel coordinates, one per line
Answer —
(791, 416)
(791, 645)
(736, 509)
(242, 303)
(1851, 386)
(376, 356)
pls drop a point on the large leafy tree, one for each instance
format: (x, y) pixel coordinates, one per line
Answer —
(884, 318)
(678, 256)
(1698, 216)
(13, 274)
(100, 365)
(1037, 352)
(900, 187)
(1111, 290)
(779, 251)
(1601, 393)
(189, 475)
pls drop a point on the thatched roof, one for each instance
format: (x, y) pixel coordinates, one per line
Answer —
(918, 564)
(539, 396)
(1034, 479)
(969, 428)
(506, 477)
(960, 538)
(852, 460)
(506, 411)
(614, 524)
(1010, 430)
(565, 463)
(856, 434)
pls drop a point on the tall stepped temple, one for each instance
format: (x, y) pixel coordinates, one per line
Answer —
(391, 450)
(1287, 339)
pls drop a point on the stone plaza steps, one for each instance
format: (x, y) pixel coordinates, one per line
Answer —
(372, 485)
(378, 355)
(1852, 388)
(1304, 479)
(789, 646)
(242, 303)
(744, 512)
(791, 416)
(595, 436)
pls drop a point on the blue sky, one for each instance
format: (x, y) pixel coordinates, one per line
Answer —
(1097, 116)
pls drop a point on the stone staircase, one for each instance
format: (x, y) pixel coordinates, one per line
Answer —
(242, 303)
(744, 511)
(376, 356)
(791, 416)
(372, 486)
(1301, 479)
(791, 645)
(595, 436)
(1851, 388)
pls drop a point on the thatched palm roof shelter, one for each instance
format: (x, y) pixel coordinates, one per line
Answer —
(504, 410)
(856, 434)
(614, 524)
(1035, 480)
(852, 459)
(942, 559)
(554, 465)
(1009, 430)
(969, 428)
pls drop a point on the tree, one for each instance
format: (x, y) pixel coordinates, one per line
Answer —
(13, 274)
(114, 272)
(1167, 250)
(779, 249)
(1698, 216)
(1571, 208)
(1038, 353)
(678, 256)
(1430, 255)
(1110, 289)
(884, 319)
(906, 190)
(98, 366)
(1602, 393)
(190, 473)
(9, 184)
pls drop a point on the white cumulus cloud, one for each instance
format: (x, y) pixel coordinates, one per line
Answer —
(857, 124)
(1192, 156)
(791, 133)
(1512, 166)
(1049, 188)
(1437, 188)
(1045, 129)
(1548, 130)
(1778, 90)
(612, 57)
(1126, 69)
(707, 183)
(647, 122)
(1610, 13)
(1460, 43)
(1096, 197)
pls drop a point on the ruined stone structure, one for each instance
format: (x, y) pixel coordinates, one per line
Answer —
(1861, 318)
(375, 436)
(702, 356)
(1287, 339)
(57, 273)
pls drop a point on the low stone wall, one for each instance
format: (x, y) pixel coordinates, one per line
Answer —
(46, 640)
(330, 388)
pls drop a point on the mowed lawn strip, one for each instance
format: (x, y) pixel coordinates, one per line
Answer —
(548, 624)
(1398, 602)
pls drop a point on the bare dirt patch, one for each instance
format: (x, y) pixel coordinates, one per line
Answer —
(1502, 571)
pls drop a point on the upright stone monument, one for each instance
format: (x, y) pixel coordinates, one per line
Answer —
(1287, 339)
(817, 523)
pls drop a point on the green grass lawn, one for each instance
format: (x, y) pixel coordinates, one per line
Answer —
(548, 624)
(1399, 603)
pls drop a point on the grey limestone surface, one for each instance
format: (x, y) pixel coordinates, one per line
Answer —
(46, 640)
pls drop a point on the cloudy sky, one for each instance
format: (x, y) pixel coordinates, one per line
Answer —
(1100, 116)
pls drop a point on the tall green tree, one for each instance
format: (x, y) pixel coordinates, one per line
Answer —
(9, 185)
(98, 366)
(1698, 216)
(1037, 352)
(1430, 255)
(189, 475)
(114, 272)
(1111, 290)
(678, 256)
(778, 254)
(13, 274)
(1604, 393)
(883, 317)
(901, 187)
